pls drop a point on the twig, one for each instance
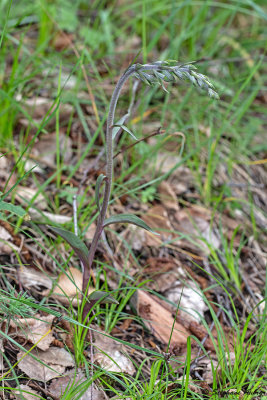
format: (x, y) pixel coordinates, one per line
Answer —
(157, 132)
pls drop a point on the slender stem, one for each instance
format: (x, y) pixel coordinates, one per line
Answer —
(109, 171)
(166, 72)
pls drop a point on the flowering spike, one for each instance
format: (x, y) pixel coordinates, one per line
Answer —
(171, 71)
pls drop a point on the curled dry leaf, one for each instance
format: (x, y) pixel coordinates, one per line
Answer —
(56, 360)
(71, 380)
(25, 392)
(110, 355)
(33, 329)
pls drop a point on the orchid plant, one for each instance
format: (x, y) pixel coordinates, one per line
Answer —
(151, 74)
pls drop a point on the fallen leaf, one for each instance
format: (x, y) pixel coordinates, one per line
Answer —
(25, 392)
(6, 245)
(33, 329)
(29, 277)
(72, 380)
(25, 195)
(62, 40)
(109, 355)
(160, 320)
(55, 358)
(167, 196)
(157, 219)
(44, 216)
(136, 237)
(45, 149)
(206, 365)
(190, 299)
(194, 222)
(68, 286)
(90, 232)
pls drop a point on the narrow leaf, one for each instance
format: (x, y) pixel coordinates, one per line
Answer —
(17, 210)
(123, 127)
(76, 243)
(117, 126)
(104, 297)
(130, 219)
(99, 181)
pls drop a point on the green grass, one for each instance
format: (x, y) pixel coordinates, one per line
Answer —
(229, 40)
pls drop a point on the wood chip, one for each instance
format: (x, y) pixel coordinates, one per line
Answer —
(160, 320)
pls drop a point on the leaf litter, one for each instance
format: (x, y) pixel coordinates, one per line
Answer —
(185, 225)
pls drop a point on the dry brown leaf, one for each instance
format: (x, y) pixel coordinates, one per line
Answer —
(33, 329)
(56, 358)
(109, 355)
(160, 320)
(157, 219)
(29, 277)
(62, 40)
(167, 196)
(73, 379)
(69, 284)
(26, 393)
(90, 232)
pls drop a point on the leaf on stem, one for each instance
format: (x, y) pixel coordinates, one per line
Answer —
(99, 181)
(124, 128)
(75, 242)
(104, 297)
(130, 219)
